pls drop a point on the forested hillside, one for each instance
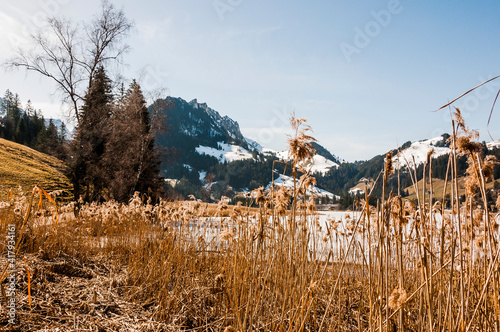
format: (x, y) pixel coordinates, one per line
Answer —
(27, 126)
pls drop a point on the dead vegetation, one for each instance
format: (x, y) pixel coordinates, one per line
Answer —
(399, 266)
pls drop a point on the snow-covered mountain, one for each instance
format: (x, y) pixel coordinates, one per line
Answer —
(221, 124)
(208, 150)
(225, 152)
(197, 132)
(320, 164)
(203, 145)
(417, 152)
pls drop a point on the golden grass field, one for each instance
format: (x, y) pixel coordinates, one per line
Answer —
(25, 167)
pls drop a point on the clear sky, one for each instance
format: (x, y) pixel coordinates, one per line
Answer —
(366, 74)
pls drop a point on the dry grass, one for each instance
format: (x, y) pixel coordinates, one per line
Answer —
(438, 187)
(211, 209)
(25, 167)
(186, 266)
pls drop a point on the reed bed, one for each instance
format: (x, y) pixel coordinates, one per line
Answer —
(398, 266)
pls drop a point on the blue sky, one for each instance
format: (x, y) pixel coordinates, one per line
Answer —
(367, 74)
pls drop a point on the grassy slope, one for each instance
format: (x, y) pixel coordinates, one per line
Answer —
(25, 167)
(438, 187)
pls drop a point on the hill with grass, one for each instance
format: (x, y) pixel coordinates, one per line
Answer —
(436, 187)
(21, 166)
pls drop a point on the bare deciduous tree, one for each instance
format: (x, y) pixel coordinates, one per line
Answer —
(69, 55)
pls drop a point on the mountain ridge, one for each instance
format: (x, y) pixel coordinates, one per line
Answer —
(208, 146)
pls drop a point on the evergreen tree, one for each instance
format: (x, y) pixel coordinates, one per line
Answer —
(22, 133)
(6, 102)
(15, 110)
(132, 159)
(38, 126)
(41, 140)
(10, 108)
(63, 132)
(92, 134)
(53, 146)
(29, 109)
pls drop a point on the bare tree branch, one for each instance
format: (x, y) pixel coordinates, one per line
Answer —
(69, 56)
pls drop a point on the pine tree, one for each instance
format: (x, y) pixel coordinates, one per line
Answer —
(133, 161)
(92, 134)
(15, 111)
(29, 109)
(21, 135)
(38, 126)
(11, 109)
(6, 102)
(63, 133)
(53, 146)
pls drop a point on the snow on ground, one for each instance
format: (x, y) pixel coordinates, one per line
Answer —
(226, 152)
(269, 151)
(203, 175)
(287, 181)
(493, 145)
(172, 182)
(320, 164)
(419, 150)
(356, 191)
(254, 144)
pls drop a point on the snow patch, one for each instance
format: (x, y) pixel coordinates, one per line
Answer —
(172, 182)
(419, 150)
(253, 144)
(355, 191)
(203, 175)
(225, 152)
(319, 165)
(322, 165)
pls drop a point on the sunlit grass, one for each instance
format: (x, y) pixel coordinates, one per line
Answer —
(25, 167)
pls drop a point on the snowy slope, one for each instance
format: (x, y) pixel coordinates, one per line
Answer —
(356, 191)
(253, 144)
(419, 150)
(226, 152)
(320, 164)
(362, 186)
(287, 181)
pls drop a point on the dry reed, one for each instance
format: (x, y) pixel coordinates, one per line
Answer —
(397, 266)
